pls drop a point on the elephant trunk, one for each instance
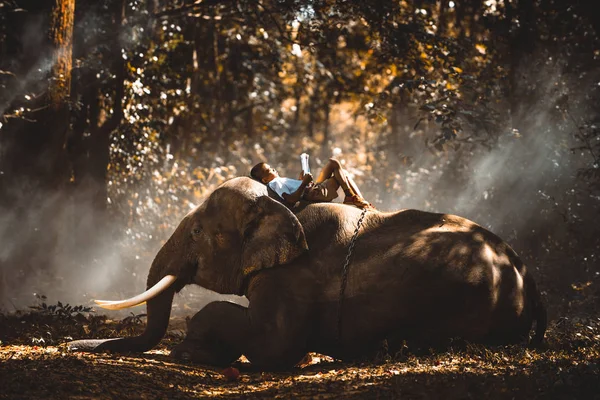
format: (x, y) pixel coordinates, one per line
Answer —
(158, 311)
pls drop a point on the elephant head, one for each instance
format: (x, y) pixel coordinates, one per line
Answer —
(237, 232)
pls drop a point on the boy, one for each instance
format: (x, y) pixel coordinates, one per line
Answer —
(332, 177)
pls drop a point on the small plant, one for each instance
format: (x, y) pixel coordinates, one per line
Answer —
(58, 309)
(130, 323)
(133, 319)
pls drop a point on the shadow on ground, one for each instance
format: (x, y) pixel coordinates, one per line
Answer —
(34, 364)
(35, 372)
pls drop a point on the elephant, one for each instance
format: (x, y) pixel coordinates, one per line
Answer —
(413, 275)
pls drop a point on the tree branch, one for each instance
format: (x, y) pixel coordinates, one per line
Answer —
(279, 28)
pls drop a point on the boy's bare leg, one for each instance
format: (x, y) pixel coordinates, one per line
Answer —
(334, 168)
(326, 172)
(353, 186)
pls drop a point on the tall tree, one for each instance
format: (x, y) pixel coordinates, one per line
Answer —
(34, 164)
(97, 88)
(521, 46)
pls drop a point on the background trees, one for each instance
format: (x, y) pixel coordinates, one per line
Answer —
(35, 106)
(486, 109)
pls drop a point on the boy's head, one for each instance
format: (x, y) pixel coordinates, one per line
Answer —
(263, 172)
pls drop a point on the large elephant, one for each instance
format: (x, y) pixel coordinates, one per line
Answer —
(413, 275)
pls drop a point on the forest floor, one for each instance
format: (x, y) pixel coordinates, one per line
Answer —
(35, 364)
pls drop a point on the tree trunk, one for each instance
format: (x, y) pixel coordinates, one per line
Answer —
(460, 12)
(217, 124)
(475, 26)
(61, 36)
(394, 127)
(298, 98)
(250, 122)
(36, 145)
(327, 112)
(90, 140)
(521, 47)
(34, 162)
(89, 143)
(311, 116)
(442, 18)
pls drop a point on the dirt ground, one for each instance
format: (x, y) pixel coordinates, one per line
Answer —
(35, 364)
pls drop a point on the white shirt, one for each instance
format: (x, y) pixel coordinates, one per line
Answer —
(284, 185)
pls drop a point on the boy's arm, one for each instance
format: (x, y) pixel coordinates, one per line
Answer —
(293, 198)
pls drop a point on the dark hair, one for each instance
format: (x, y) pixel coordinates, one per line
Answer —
(256, 171)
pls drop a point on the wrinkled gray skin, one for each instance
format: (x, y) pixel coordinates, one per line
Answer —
(413, 274)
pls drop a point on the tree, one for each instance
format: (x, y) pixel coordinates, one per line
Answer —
(98, 87)
(34, 164)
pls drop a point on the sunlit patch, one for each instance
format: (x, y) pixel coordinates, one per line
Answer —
(518, 302)
(448, 227)
(478, 237)
(496, 261)
(250, 269)
(519, 281)
(488, 254)
(459, 252)
(314, 359)
(495, 284)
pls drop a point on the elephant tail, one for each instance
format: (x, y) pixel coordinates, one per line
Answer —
(539, 314)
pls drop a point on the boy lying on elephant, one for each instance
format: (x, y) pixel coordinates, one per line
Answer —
(332, 177)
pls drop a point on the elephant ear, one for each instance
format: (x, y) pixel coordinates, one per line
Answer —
(272, 236)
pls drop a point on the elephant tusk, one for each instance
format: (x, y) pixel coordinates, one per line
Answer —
(108, 303)
(154, 291)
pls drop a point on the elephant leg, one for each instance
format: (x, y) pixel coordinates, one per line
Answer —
(222, 331)
(212, 335)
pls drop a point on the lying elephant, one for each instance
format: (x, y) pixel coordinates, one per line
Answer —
(413, 274)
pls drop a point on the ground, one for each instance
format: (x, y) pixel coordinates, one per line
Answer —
(35, 364)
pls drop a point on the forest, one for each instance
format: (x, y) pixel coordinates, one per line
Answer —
(119, 117)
